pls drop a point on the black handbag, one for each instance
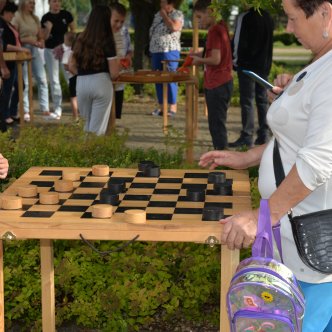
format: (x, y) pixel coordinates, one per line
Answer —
(312, 232)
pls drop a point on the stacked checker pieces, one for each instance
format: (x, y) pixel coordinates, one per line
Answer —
(144, 195)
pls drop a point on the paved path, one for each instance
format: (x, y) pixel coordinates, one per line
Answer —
(145, 131)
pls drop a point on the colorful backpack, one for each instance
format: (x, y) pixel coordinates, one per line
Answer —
(264, 295)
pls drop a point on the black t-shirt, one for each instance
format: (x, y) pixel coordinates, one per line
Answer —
(109, 52)
(2, 28)
(60, 23)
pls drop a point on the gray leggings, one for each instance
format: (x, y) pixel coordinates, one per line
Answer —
(94, 99)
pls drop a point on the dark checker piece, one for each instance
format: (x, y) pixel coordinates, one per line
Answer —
(213, 213)
(216, 177)
(143, 165)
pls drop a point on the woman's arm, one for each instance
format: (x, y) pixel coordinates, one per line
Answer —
(174, 25)
(72, 67)
(114, 67)
(232, 159)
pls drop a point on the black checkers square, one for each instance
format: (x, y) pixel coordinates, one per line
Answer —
(224, 205)
(170, 180)
(136, 197)
(50, 173)
(84, 196)
(73, 208)
(87, 215)
(37, 214)
(166, 192)
(161, 204)
(159, 216)
(188, 211)
(119, 179)
(198, 186)
(142, 185)
(92, 185)
(43, 184)
(196, 175)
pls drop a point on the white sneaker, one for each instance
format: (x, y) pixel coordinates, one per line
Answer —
(26, 117)
(54, 116)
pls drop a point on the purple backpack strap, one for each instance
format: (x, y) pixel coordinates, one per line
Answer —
(263, 245)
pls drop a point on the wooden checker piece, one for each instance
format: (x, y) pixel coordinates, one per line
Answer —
(100, 170)
(63, 186)
(49, 198)
(71, 175)
(29, 190)
(135, 216)
(11, 202)
(103, 211)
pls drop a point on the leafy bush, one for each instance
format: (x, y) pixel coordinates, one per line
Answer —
(119, 292)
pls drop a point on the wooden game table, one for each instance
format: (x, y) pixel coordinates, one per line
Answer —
(20, 58)
(71, 218)
(165, 77)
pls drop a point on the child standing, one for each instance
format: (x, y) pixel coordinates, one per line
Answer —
(69, 40)
(123, 49)
(218, 80)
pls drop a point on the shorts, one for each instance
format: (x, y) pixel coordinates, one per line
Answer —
(72, 86)
(318, 307)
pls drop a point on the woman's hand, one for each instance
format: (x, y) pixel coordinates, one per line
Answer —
(240, 230)
(232, 159)
(3, 167)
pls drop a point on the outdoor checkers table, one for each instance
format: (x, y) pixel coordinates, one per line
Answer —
(170, 216)
(165, 77)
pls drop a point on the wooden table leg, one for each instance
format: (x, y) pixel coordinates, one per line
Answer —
(229, 261)
(189, 123)
(20, 91)
(2, 290)
(112, 118)
(47, 278)
(165, 106)
(30, 90)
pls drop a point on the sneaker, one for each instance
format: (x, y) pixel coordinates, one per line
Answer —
(261, 140)
(54, 116)
(241, 142)
(26, 117)
(157, 112)
(171, 114)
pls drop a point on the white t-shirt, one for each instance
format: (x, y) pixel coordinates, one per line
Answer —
(301, 120)
(67, 51)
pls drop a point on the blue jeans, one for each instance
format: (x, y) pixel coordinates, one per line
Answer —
(217, 102)
(251, 91)
(38, 72)
(156, 59)
(53, 70)
(318, 307)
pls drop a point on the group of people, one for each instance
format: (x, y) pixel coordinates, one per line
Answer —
(250, 49)
(299, 119)
(90, 61)
(24, 32)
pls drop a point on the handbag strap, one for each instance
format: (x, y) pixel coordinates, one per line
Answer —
(279, 173)
(263, 246)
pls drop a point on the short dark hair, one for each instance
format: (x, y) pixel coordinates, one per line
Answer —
(9, 7)
(309, 6)
(202, 5)
(118, 7)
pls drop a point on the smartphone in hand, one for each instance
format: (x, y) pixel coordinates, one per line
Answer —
(258, 79)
